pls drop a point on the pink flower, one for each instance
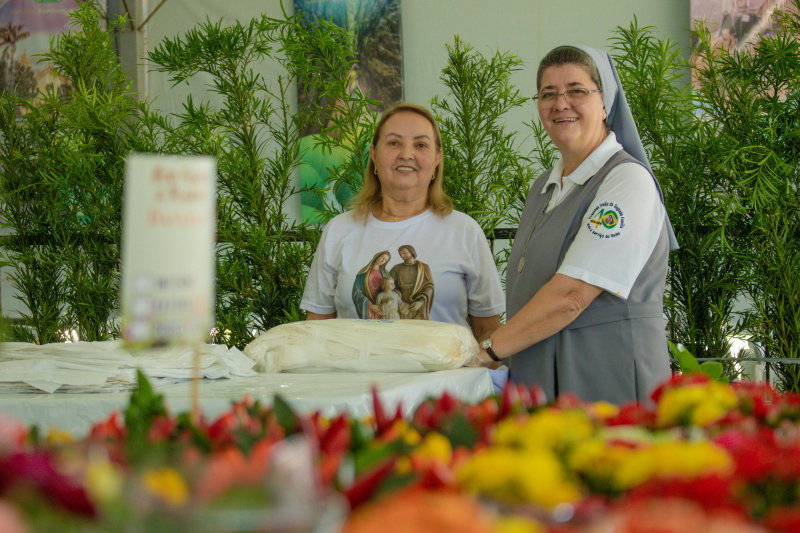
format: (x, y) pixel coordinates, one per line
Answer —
(36, 469)
(12, 434)
(10, 520)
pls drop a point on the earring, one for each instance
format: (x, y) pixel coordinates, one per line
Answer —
(375, 170)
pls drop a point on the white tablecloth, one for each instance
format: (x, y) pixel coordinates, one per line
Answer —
(331, 393)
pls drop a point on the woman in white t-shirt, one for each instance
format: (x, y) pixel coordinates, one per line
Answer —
(402, 226)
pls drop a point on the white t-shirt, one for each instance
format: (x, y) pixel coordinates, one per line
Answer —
(620, 229)
(452, 276)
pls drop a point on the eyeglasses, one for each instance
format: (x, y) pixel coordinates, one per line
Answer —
(572, 96)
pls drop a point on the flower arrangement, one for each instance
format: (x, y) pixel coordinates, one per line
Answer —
(704, 456)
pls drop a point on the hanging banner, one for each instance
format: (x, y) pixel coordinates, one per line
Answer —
(375, 27)
(737, 24)
(26, 27)
(168, 239)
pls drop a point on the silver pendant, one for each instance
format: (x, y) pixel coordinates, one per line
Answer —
(521, 265)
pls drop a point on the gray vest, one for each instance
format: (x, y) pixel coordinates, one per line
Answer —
(615, 350)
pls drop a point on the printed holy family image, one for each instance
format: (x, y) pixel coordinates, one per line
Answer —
(402, 291)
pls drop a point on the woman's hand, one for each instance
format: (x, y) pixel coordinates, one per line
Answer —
(375, 309)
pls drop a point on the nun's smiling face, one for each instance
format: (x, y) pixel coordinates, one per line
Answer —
(575, 121)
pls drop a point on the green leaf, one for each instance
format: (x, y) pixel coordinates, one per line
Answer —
(370, 457)
(460, 432)
(686, 361)
(144, 406)
(286, 416)
(393, 483)
(712, 369)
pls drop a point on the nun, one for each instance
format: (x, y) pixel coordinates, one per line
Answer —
(586, 273)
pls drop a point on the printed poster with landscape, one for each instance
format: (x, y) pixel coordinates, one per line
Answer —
(26, 27)
(374, 26)
(737, 24)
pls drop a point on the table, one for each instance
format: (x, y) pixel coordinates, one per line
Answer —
(330, 393)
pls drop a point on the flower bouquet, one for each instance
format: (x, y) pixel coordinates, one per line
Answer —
(704, 456)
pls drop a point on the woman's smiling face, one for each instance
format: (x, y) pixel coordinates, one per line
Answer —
(405, 155)
(575, 129)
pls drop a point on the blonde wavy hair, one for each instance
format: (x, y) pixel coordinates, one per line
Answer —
(370, 194)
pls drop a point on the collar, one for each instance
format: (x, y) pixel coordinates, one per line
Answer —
(590, 165)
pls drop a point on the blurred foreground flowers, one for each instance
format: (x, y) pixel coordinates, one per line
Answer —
(705, 456)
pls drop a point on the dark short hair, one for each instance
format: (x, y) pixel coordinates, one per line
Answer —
(568, 55)
(410, 249)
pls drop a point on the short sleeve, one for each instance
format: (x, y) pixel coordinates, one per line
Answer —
(318, 296)
(485, 293)
(618, 232)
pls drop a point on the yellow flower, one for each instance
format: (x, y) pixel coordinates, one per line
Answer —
(411, 436)
(168, 485)
(57, 436)
(677, 459)
(518, 476)
(103, 479)
(518, 524)
(403, 465)
(690, 459)
(620, 467)
(549, 428)
(435, 446)
(700, 405)
(403, 429)
(604, 410)
(607, 464)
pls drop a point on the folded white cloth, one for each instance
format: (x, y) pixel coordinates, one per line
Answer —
(109, 366)
(363, 346)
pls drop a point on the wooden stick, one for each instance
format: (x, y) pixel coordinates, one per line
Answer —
(196, 386)
(153, 12)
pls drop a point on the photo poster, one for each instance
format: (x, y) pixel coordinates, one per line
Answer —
(375, 26)
(736, 24)
(169, 220)
(25, 30)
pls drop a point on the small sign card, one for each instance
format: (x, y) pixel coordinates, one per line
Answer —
(168, 240)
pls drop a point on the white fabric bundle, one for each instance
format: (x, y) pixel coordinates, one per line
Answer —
(363, 346)
(108, 366)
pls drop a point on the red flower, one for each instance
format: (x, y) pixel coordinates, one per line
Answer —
(784, 519)
(220, 432)
(678, 380)
(631, 414)
(755, 458)
(111, 429)
(711, 492)
(382, 422)
(163, 428)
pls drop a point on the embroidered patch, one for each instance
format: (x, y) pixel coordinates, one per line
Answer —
(606, 221)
